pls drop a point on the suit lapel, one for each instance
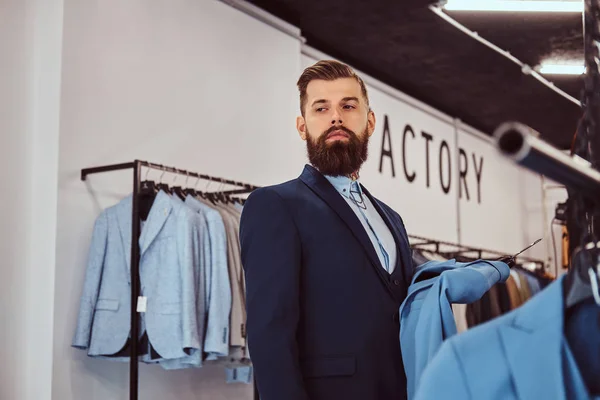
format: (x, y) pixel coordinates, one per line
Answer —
(533, 346)
(321, 186)
(159, 212)
(402, 246)
(123, 211)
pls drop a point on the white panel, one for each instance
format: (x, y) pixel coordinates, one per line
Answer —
(420, 185)
(47, 25)
(194, 84)
(15, 170)
(504, 210)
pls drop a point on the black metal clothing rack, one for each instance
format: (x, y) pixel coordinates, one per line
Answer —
(456, 250)
(137, 166)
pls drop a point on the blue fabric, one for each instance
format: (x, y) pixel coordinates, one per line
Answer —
(582, 331)
(243, 374)
(372, 222)
(574, 383)
(534, 284)
(520, 355)
(426, 314)
(218, 287)
(322, 314)
(173, 319)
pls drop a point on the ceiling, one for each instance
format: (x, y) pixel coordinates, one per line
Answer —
(407, 46)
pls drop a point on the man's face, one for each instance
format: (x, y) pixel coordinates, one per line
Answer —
(337, 124)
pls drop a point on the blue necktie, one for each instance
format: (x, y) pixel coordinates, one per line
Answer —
(357, 198)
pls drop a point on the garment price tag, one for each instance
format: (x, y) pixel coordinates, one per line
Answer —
(142, 303)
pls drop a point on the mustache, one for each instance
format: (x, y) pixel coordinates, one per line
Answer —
(337, 128)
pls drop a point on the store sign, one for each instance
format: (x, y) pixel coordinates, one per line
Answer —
(407, 138)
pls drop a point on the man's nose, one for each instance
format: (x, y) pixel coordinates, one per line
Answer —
(336, 118)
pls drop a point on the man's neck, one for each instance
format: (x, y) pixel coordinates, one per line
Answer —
(353, 176)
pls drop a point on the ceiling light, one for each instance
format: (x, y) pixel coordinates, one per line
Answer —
(561, 69)
(515, 5)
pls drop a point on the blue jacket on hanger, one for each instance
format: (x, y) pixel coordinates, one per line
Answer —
(426, 313)
(169, 248)
(521, 355)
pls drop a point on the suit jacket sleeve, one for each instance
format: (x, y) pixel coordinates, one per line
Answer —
(91, 285)
(219, 299)
(271, 257)
(445, 377)
(188, 250)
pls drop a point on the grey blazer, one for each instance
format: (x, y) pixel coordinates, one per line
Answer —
(169, 254)
(218, 287)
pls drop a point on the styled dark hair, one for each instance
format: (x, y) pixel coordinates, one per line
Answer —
(328, 70)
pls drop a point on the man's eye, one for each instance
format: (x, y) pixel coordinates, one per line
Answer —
(320, 109)
(349, 107)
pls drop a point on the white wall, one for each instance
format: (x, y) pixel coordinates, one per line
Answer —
(15, 142)
(194, 84)
(30, 49)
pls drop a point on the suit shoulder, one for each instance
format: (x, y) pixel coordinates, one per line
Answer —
(283, 190)
(476, 340)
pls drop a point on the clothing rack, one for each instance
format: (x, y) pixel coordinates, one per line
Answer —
(137, 166)
(453, 250)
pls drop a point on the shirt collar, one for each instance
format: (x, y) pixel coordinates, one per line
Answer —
(342, 184)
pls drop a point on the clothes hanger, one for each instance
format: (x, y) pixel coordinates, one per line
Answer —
(163, 186)
(191, 192)
(178, 190)
(147, 195)
(147, 186)
(510, 260)
(582, 280)
(204, 194)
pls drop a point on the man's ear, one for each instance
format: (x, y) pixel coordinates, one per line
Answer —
(371, 122)
(301, 127)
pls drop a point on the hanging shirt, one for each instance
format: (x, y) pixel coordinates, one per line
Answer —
(374, 225)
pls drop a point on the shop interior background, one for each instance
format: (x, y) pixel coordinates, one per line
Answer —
(203, 86)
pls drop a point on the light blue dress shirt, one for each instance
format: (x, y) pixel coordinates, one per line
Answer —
(379, 233)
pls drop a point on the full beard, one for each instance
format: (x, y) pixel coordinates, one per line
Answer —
(341, 157)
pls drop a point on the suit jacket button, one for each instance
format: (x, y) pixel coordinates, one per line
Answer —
(396, 317)
(396, 282)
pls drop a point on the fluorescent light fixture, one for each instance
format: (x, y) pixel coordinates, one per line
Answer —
(561, 69)
(515, 5)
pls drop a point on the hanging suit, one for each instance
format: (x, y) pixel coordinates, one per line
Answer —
(323, 318)
(170, 238)
(218, 288)
(521, 355)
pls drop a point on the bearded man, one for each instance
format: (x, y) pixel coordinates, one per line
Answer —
(327, 265)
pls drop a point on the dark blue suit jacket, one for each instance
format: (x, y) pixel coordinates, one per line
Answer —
(322, 313)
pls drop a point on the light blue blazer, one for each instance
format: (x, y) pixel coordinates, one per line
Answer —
(520, 355)
(426, 313)
(169, 253)
(218, 287)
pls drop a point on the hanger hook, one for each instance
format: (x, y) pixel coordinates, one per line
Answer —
(187, 179)
(594, 283)
(147, 172)
(163, 173)
(197, 182)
